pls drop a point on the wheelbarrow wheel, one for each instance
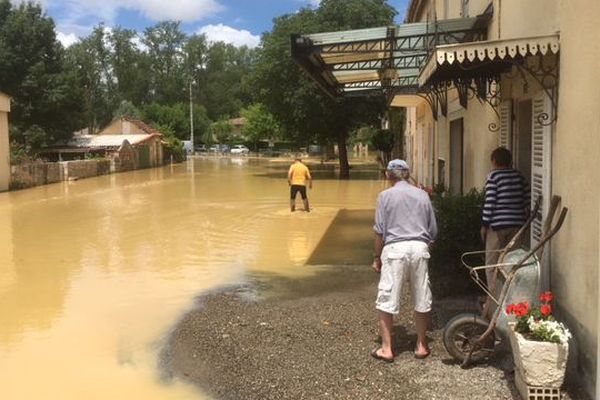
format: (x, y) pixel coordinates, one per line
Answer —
(460, 333)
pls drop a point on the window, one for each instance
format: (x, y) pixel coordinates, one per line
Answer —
(465, 8)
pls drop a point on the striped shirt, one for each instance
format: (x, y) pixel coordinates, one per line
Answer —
(506, 199)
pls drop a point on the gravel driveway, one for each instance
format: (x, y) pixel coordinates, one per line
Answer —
(284, 339)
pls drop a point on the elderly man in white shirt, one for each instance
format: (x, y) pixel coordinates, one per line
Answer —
(405, 227)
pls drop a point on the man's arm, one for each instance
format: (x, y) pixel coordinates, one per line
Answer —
(308, 178)
(378, 249)
(432, 226)
(379, 229)
(290, 174)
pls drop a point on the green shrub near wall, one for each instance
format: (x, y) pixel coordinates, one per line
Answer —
(459, 222)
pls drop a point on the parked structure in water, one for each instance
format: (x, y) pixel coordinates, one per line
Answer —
(130, 142)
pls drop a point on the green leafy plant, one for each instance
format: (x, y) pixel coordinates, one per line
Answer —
(459, 219)
(172, 145)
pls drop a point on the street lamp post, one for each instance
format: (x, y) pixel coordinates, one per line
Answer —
(191, 117)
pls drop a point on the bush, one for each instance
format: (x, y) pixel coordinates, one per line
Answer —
(459, 222)
(21, 154)
(172, 145)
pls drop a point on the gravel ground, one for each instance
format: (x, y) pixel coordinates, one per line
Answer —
(278, 339)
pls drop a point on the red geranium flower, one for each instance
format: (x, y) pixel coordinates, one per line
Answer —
(520, 309)
(523, 309)
(547, 297)
(546, 309)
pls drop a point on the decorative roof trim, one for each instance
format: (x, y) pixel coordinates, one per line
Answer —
(492, 50)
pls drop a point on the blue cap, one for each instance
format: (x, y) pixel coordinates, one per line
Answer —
(397, 164)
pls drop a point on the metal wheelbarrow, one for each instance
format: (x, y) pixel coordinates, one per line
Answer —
(471, 337)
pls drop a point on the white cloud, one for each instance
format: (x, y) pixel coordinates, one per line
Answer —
(181, 10)
(75, 12)
(311, 3)
(77, 17)
(227, 34)
(67, 39)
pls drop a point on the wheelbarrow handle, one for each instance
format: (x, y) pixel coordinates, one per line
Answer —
(516, 239)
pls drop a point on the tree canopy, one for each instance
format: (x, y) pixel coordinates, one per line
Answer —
(57, 91)
(304, 111)
(33, 71)
(260, 123)
(157, 73)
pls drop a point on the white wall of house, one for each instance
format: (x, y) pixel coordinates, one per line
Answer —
(575, 257)
(4, 143)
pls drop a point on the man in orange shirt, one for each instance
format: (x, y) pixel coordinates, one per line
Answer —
(298, 177)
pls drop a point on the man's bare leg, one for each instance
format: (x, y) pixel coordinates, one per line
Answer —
(422, 321)
(386, 321)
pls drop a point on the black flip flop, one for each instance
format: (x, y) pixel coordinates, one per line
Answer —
(378, 357)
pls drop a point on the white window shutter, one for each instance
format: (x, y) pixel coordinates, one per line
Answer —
(541, 153)
(541, 161)
(505, 132)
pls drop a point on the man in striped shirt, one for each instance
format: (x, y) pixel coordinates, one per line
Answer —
(506, 205)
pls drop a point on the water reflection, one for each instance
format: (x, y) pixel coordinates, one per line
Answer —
(94, 273)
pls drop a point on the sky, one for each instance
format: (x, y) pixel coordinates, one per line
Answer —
(240, 22)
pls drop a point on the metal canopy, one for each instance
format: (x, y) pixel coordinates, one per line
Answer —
(385, 60)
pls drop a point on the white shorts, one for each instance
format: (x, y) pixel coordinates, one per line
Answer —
(404, 261)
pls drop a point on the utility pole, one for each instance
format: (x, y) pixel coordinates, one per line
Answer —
(191, 117)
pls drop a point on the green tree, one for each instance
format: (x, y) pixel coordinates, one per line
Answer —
(225, 91)
(176, 116)
(383, 141)
(303, 110)
(130, 66)
(45, 95)
(127, 109)
(221, 131)
(91, 59)
(260, 123)
(173, 146)
(397, 117)
(165, 42)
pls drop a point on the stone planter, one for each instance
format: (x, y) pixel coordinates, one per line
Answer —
(539, 364)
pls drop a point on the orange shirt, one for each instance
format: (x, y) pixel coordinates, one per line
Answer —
(298, 174)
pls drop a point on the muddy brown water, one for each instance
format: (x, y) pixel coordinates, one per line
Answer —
(94, 273)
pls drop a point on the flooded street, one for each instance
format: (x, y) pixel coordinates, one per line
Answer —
(94, 273)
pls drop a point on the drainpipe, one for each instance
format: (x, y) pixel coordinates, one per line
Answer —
(598, 323)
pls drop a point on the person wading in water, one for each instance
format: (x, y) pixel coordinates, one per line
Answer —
(298, 177)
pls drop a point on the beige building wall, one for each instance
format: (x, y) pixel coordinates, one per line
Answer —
(575, 254)
(575, 251)
(520, 18)
(4, 143)
(479, 142)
